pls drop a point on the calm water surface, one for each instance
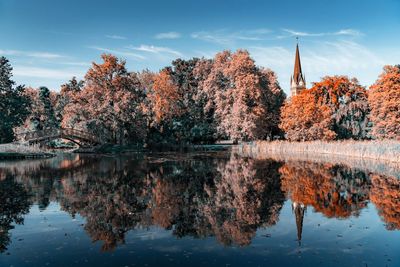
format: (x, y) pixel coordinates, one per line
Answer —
(204, 209)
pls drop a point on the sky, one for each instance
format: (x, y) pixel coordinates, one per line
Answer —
(48, 41)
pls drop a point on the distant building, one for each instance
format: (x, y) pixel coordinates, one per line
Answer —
(298, 209)
(297, 81)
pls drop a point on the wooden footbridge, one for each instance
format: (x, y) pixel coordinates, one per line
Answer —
(81, 138)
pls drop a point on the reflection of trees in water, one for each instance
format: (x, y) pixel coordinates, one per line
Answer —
(109, 197)
(246, 196)
(229, 198)
(14, 203)
(340, 191)
(385, 194)
(42, 177)
(335, 191)
(177, 195)
(194, 197)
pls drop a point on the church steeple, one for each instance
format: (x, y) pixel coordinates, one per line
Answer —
(297, 65)
(298, 209)
(297, 81)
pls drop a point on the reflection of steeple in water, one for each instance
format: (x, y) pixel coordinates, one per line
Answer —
(298, 209)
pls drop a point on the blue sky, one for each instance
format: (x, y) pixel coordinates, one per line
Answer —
(48, 42)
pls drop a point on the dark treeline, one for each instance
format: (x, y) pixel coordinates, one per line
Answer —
(201, 101)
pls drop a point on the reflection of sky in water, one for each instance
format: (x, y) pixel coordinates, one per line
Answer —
(53, 238)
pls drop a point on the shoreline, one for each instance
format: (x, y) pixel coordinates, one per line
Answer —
(17, 155)
(18, 151)
(385, 150)
(385, 160)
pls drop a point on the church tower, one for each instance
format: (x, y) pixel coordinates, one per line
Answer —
(297, 81)
(299, 209)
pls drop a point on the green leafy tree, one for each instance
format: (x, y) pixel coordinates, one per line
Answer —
(14, 106)
(49, 120)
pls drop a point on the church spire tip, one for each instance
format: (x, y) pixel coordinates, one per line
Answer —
(298, 82)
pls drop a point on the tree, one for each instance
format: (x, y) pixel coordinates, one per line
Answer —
(334, 108)
(303, 119)
(245, 99)
(109, 103)
(178, 103)
(42, 114)
(67, 95)
(14, 106)
(33, 121)
(48, 116)
(384, 99)
(195, 124)
(146, 79)
(165, 98)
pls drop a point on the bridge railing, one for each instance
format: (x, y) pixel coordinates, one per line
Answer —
(58, 133)
(70, 132)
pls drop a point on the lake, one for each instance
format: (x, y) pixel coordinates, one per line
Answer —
(196, 209)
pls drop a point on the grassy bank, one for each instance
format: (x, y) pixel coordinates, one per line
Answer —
(18, 151)
(377, 150)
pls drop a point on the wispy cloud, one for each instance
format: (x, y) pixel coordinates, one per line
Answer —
(205, 54)
(168, 35)
(348, 32)
(36, 72)
(156, 49)
(118, 52)
(116, 37)
(273, 56)
(341, 57)
(74, 63)
(226, 37)
(298, 33)
(351, 32)
(33, 54)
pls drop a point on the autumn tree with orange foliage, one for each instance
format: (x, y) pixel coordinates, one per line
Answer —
(191, 101)
(336, 191)
(304, 119)
(67, 95)
(164, 98)
(177, 104)
(228, 97)
(384, 99)
(335, 108)
(244, 98)
(110, 103)
(385, 194)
